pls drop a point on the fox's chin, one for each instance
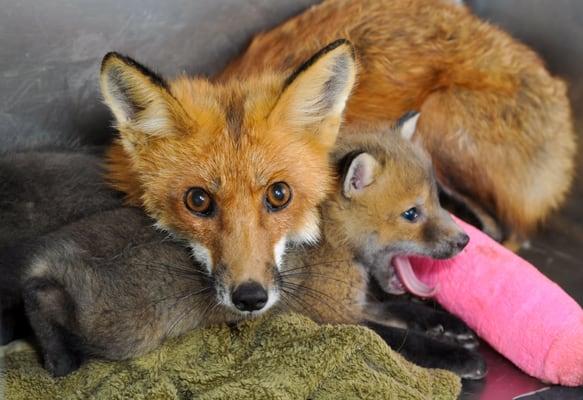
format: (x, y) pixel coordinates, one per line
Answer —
(247, 314)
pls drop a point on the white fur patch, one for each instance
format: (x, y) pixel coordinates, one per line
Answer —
(155, 126)
(224, 298)
(272, 299)
(360, 174)
(323, 89)
(38, 269)
(202, 255)
(41, 263)
(310, 232)
(199, 252)
(409, 127)
(279, 251)
(162, 228)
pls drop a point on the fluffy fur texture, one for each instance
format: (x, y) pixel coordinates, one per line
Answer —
(496, 123)
(40, 192)
(111, 286)
(233, 140)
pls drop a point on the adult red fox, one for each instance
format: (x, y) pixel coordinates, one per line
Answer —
(496, 124)
(235, 170)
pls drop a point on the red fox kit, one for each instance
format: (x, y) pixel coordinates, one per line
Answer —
(110, 286)
(235, 170)
(496, 124)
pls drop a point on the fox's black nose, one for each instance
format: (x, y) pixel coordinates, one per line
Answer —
(249, 296)
(462, 241)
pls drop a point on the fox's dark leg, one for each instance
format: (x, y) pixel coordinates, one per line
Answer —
(511, 239)
(45, 302)
(488, 223)
(424, 319)
(7, 326)
(13, 324)
(429, 352)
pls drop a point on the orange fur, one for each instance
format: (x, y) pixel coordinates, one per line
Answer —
(363, 232)
(496, 123)
(233, 140)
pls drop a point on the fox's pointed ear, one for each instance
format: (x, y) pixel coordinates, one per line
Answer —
(138, 98)
(359, 172)
(407, 125)
(315, 95)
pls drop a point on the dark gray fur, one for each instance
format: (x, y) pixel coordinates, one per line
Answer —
(40, 192)
(111, 286)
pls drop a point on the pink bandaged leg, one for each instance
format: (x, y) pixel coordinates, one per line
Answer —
(511, 305)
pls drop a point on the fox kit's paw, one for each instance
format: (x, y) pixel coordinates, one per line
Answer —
(430, 352)
(467, 364)
(62, 364)
(425, 319)
(451, 329)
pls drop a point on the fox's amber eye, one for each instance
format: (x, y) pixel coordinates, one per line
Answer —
(278, 196)
(198, 201)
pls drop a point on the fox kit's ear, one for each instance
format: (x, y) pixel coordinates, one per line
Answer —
(359, 172)
(407, 124)
(138, 98)
(315, 95)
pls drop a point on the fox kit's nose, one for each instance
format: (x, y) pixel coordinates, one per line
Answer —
(461, 241)
(249, 296)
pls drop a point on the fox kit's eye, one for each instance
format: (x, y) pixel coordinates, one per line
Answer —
(411, 214)
(198, 201)
(278, 196)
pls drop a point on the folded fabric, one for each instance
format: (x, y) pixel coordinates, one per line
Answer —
(281, 357)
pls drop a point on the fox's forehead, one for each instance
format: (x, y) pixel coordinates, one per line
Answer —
(246, 164)
(229, 107)
(405, 182)
(223, 163)
(230, 139)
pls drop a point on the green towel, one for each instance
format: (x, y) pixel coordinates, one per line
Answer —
(282, 357)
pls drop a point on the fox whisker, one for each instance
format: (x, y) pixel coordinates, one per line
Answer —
(306, 266)
(314, 294)
(304, 307)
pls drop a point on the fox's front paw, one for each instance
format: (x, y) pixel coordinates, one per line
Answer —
(447, 327)
(62, 364)
(468, 364)
(456, 333)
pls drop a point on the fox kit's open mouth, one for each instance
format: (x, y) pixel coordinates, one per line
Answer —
(405, 280)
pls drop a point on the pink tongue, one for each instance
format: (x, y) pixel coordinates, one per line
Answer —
(410, 280)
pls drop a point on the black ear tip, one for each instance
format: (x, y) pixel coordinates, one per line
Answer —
(130, 62)
(111, 54)
(337, 43)
(406, 117)
(114, 55)
(323, 51)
